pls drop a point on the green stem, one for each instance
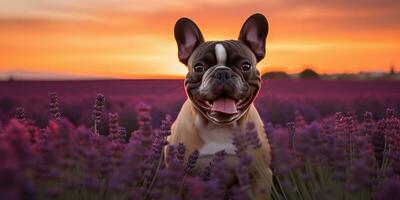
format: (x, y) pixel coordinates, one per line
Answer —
(146, 196)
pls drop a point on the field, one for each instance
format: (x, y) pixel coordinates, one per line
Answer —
(103, 140)
(277, 101)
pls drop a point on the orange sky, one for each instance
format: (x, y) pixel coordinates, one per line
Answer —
(134, 38)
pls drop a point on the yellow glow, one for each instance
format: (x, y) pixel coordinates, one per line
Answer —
(125, 40)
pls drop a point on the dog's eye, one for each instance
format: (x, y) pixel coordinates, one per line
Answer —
(246, 66)
(199, 68)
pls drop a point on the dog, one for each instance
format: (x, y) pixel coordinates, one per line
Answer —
(221, 85)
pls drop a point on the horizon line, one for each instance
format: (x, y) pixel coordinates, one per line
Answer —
(42, 76)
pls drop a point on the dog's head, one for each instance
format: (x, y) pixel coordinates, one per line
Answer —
(222, 80)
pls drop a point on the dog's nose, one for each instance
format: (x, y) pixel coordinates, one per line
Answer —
(223, 75)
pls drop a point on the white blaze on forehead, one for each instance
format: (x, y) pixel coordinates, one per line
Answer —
(220, 53)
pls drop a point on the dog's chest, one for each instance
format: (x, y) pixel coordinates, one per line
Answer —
(216, 137)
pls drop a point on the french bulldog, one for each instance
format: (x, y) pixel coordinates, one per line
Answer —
(221, 85)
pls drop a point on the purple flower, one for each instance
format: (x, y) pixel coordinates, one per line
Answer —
(299, 120)
(20, 114)
(191, 163)
(361, 177)
(252, 135)
(97, 112)
(18, 137)
(291, 130)
(165, 128)
(378, 141)
(145, 133)
(209, 171)
(173, 174)
(390, 113)
(283, 160)
(368, 123)
(239, 141)
(339, 123)
(206, 174)
(240, 193)
(200, 190)
(10, 173)
(181, 152)
(123, 135)
(396, 162)
(242, 173)
(143, 113)
(54, 107)
(389, 189)
(113, 123)
(269, 128)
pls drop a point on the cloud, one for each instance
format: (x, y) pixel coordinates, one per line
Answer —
(136, 36)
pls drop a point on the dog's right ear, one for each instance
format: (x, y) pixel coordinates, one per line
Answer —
(254, 33)
(188, 36)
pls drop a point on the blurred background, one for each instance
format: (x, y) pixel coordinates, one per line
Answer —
(92, 39)
(322, 56)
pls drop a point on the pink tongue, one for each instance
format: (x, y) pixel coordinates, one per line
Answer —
(224, 105)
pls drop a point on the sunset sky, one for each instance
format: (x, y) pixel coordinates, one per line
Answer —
(134, 38)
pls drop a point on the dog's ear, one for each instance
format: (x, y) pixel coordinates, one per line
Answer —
(254, 33)
(188, 36)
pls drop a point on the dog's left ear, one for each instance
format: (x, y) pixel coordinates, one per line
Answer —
(254, 33)
(188, 37)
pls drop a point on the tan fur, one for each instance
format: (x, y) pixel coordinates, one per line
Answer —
(184, 130)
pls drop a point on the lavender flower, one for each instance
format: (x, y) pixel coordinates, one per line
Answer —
(389, 189)
(122, 135)
(239, 141)
(395, 162)
(172, 175)
(269, 128)
(113, 123)
(252, 136)
(368, 123)
(144, 117)
(242, 173)
(209, 171)
(145, 132)
(192, 161)
(339, 123)
(291, 129)
(378, 141)
(54, 106)
(181, 152)
(390, 112)
(10, 173)
(361, 177)
(33, 130)
(299, 119)
(20, 114)
(335, 158)
(240, 193)
(18, 136)
(166, 126)
(97, 112)
(200, 190)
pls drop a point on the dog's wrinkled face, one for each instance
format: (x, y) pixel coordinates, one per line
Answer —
(222, 80)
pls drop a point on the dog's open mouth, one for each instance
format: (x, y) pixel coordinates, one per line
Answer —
(225, 105)
(224, 109)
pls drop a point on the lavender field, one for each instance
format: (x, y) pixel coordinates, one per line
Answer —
(104, 140)
(277, 102)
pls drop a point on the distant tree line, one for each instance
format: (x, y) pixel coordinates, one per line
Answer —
(311, 74)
